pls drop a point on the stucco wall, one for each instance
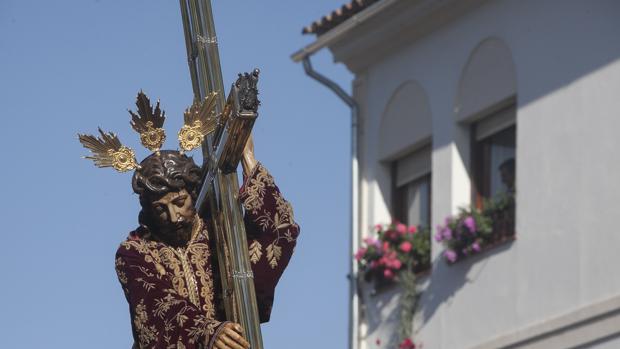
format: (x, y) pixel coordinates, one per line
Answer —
(565, 55)
(606, 343)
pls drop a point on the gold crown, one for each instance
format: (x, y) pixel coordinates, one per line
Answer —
(107, 151)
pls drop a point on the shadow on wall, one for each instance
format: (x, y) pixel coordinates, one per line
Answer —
(380, 308)
(453, 278)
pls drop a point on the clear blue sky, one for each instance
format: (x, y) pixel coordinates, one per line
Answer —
(70, 66)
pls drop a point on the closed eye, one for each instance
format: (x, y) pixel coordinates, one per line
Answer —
(180, 201)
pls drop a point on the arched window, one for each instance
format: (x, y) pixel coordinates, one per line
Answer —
(486, 103)
(405, 145)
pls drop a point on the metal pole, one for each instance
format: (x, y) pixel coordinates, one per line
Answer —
(354, 243)
(232, 248)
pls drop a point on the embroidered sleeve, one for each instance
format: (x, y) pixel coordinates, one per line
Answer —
(160, 317)
(272, 234)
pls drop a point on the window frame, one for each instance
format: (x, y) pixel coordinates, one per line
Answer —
(399, 193)
(481, 156)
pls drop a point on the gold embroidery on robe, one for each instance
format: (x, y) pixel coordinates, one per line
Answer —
(255, 251)
(188, 272)
(170, 290)
(281, 222)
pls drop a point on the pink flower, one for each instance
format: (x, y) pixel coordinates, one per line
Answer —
(374, 265)
(388, 274)
(470, 223)
(438, 236)
(406, 246)
(390, 260)
(384, 261)
(413, 229)
(360, 254)
(407, 344)
(450, 255)
(396, 263)
(447, 233)
(401, 228)
(369, 241)
(391, 235)
(378, 227)
(476, 246)
(385, 247)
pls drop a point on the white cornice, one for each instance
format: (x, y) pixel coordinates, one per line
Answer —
(384, 27)
(404, 23)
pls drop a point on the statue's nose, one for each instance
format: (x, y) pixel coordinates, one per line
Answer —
(174, 216)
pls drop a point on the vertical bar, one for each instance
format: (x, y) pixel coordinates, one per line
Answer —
(212, 202)
(242, 277)
(226, 212)
(189, 45)
(211, 50)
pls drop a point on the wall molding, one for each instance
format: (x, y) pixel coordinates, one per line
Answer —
(573, 329)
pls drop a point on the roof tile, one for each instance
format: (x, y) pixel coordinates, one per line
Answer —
(333, 19)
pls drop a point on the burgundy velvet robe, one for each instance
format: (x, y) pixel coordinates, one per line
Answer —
(170, 290)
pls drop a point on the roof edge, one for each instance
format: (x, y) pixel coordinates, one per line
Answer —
(334, 18)
(336, 33)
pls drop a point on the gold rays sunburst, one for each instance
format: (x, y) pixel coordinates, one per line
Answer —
(108, 151)
(199, 121)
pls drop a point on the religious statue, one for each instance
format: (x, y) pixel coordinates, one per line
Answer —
(167, 267)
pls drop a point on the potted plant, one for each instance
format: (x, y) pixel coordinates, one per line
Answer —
(397, 253)
(474, 230)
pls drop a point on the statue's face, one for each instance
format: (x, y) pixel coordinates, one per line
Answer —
(173, 215)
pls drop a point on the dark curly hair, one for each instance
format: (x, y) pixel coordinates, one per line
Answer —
(159, 174)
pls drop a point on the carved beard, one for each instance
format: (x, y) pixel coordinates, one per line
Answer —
(176, 234)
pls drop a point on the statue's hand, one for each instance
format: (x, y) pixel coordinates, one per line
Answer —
(249, 161)
(231, 337)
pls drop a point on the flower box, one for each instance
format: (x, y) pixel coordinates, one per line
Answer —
(474, 231)
(391, 249)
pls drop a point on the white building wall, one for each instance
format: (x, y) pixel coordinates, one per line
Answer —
(568, 165)
(607, 343)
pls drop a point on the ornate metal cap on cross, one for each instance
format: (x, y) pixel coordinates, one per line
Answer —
(233, 129)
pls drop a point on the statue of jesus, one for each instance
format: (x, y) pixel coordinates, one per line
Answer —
(166, 267)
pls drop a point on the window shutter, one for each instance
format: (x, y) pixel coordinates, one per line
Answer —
(413, 166)
(496, 122)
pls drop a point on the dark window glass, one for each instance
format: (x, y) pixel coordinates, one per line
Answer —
(494, 159)
(494, 176)
(412, 204)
